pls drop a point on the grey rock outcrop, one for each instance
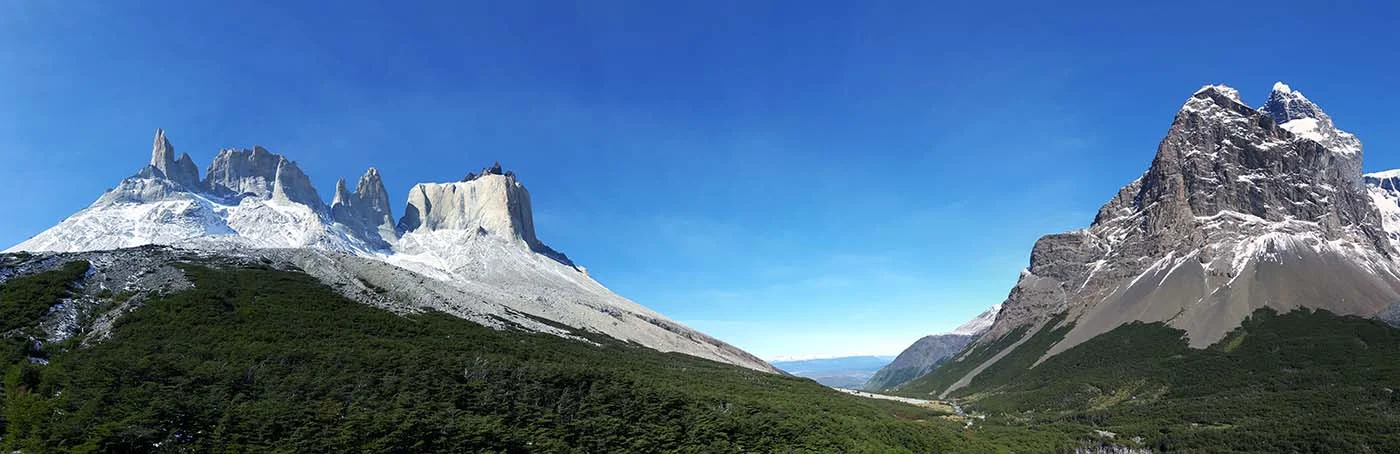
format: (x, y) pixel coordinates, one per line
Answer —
(261, 174)
(471, 250)
(1236, 212)
(493, 203)
(291, 184)
(365, 211)
(1384, 189)
(1294, 112)
(163, 163)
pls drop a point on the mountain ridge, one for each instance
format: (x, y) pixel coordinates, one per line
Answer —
(476, 236)
(929, 352)
(1237, 211)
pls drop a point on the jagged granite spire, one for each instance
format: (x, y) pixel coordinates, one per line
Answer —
(292, 185)
(262, 174)
(182, 171)
(162, 153)
(245, 208)
(366, 211)
(342, 195)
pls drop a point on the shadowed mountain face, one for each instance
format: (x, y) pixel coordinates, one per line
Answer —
(1241, 208)
(920, 358)
(929, 352)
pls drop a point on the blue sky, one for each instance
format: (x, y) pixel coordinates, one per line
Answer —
(797, 178)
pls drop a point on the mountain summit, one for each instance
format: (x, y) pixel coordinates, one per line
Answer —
(929, 352)
(1241, 208)
(467, 248)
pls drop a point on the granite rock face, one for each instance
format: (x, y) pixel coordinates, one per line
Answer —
(1294, 112)
(468, 249)
(366, 211)
(292, 185)
(489, 203)
(181, 171)
(1236, 212)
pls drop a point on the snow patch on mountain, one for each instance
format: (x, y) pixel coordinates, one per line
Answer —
(1241, 208)
(929, 352)
(1384, 190)
(467, 248)
(979, 323)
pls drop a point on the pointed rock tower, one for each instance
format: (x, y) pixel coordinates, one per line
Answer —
(366, 211)
(181, 171)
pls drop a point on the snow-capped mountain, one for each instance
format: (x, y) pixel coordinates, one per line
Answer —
(979, 323)
(1384, 190)
(467, 248)
(929, 352)
(1241, 208)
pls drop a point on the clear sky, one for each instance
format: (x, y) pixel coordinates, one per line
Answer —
(796, 178)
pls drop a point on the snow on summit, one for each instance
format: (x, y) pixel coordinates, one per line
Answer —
(1240, 208)
(475, 238)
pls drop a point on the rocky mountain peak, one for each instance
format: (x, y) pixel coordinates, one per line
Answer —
(1304, 119)
(1222, 93)
(182, 171)
(471, 250)
(291, 184)
(491, 205)
(261, 174)
(342, 195)
(492, 202)
(1235, 212)
(495, 169)
(162, 152)
(1286, 104)
(367, 210)
(980, 323)
(930, 351)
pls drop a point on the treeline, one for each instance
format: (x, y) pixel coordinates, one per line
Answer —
(1303, 381)
(263, 360)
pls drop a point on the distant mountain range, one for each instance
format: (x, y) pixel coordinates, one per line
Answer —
(843, 372)
(1241, 209)
(928, 352)
(467, 247)
(1241, 291)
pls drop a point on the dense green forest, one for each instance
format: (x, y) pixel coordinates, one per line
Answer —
(1303, 381)
(264, 360)
(256, 359)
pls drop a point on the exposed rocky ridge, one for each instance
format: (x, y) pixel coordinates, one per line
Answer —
(182, 171)
(367, 210)
(1294, 112)
(1384, 190)
(467, 248)
(1236, 212)
(920, 358)
(489, 203)
(930, 351)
